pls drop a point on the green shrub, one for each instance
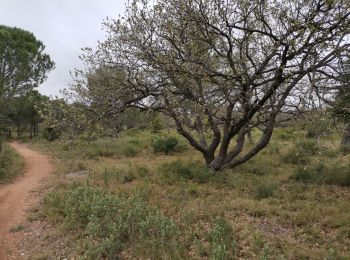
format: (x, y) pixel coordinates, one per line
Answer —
(129, 150)
(266, 253)
(135, 142)
(321, 174)
(301, 152)
(93, 151)
(333, 255)
(313, 174)
(109, 148)
(221, 240)
(259, 170)
(295, 156)
(260, 166)
(308, 145)
(190, 170)
(11, 164)
(126, 176)
(121, 175)
(142, 170)
(272, 148)
(264, 190)
(284, 134)
(157, 124)
(331, 153)
(54, 206)
(51, 133)
(111, 224)
(164, 144)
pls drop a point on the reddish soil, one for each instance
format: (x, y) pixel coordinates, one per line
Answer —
(17, 197)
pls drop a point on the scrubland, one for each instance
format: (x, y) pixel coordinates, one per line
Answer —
(147, 195)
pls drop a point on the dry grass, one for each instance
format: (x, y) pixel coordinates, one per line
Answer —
(11, 164)
(270, 215)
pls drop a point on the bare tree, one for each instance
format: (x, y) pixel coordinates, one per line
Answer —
(218, 68)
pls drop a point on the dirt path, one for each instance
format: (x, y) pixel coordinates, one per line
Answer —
(15, 198)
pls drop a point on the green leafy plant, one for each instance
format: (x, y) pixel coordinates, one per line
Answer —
(221, 240)
(164, 144)
(264, 190)
(190, 170)
(266, 253)
(322, 174)
(11, 164)
(157, 124)
(301, 152)
(110, 223)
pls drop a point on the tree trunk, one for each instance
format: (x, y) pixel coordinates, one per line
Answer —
(18, 129)
(36, 129)
(31, 131)
(345, 142)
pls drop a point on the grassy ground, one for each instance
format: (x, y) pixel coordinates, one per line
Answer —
(129, 198)
(11, 164)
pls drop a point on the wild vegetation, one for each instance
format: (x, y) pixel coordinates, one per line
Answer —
(11, 164)
(218, 69)
(290, 201)
(199, 129)
(23, 66)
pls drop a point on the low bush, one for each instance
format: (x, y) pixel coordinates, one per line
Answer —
(190, 170)
(301, 152)
(284, 134)
(308, 145)
(51, 133)
(157, 124)
(322, 174)
(263, 190)
(273, 149)
(257, 167)
(121, 175)
(111, 224)
(221, 240)
(130, 150)
(165, 145)
(11, 164)
(93, 151)
(331, 153)
(109, 148)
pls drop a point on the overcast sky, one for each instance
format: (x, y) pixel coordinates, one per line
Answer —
(64, 26)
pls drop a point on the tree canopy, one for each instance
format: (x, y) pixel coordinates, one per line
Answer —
(23, 66)
(25, 110)
(23, 63)
(217, 68)
(342, 99)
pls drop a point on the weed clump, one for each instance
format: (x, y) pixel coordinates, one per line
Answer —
(221, 240)
(321, 174)
(264, 190)
(11, 164)
(258, 169)
(121, 175)
(301, 152)
(92, 151)
(191, 170)
(166, 145)
(284, 134)
(109, 148)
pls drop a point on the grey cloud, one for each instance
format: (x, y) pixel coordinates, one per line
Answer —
(64, 26)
